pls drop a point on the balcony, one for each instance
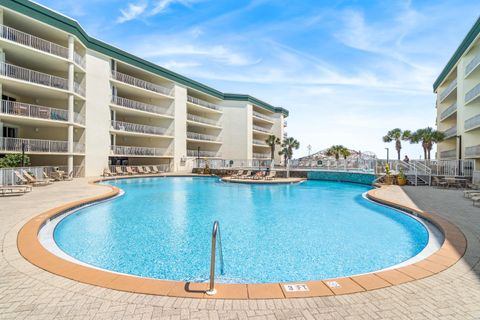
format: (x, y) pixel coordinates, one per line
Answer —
(79, 59)
(263, 116)
(136, 105)
(78, 147)
(33, 111)
(472, 152)
(450, 133)
(261, 156)
(472, 94)
(472, 65)
(195, 118)
(138, 128)
(260, 142)
(448, 112)
(449, 89)
(204, 103)
(19, 73)
(33, 42)
(139, 83)
(79, 88)
(203, 137)
(261, 129)
(139, 151)
(448, 154)
(472, 123)
(33, 145)
(203, 154)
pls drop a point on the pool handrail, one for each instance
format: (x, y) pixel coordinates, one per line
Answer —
(215, 231)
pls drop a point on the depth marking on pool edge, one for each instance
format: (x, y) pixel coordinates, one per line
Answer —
(296, 287)
(334, 284)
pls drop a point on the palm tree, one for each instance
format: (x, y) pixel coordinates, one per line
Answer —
(272, 141)
(336, 151)
(397, 135)
(287, 148)
(345, 153)
(427, 137)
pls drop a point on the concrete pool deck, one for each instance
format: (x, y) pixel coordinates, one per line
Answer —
(27, 291)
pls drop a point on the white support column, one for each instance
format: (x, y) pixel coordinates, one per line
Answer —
(1, 16)
(71, 75)
(180, 129)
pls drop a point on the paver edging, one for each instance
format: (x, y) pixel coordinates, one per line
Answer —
(30, 248)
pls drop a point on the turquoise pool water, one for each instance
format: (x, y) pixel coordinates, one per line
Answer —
(161, 228)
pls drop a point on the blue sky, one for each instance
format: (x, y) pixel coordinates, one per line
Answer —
(348, 71)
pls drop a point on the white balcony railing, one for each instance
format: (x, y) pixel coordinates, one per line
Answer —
(259, 142)
(205, 154)
(448, 154)
(125, 78)
(16, 72)
(132, 104)
(140, 128)
(33, 145)
(263, 116)
(79, 88)
(196, 118)
(449, 111)
(33, 111)
(262, 129)
(472, 152)
(261, 156)
(472, 94)
(451, 132)
(472, 65)
(204, 137)
(78, 118)
(32, 41)
(203, 103)
(472, 122)
(448, 90)
(79, 59)
(139, 151)
(78, 147)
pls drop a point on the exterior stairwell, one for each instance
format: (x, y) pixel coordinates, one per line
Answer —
(417, 173)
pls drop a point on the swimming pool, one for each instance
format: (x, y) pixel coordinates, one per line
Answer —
(161, 228)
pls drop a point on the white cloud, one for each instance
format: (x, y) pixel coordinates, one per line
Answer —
(133, 11)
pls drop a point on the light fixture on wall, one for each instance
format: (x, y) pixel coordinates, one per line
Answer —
(36, 129)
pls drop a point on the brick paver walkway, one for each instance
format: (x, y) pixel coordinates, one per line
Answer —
(27, 292)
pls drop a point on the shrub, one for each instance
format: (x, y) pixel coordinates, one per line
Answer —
(13, 160)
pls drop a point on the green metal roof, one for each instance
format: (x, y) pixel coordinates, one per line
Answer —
(467, 41)
(71, 26)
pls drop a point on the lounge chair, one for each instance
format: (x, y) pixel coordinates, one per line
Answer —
(271, 175)
(46, 177)
(147, 170)
(470, 193)
(439, 183)
(247, 175)
(69, 177)
(14, 190)
(155, 170)
(119, 170)
(21, 179)
(140, 170)
(258, 176)
(108, 173)
(129, 171)
(34, 180)
(238, 174)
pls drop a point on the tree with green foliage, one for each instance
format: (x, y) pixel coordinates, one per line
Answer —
(397, 135)
(14, 160)
(427, 137)
(287, 148)
(337, 151)
(272, 141)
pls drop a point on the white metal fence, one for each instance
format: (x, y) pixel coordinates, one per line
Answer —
(202, 153)
(8, 177)
(201, 136)
(262, 129)
(263, 116)
(125, 78)
(132, 104)
(140, 128)
(79, 59)
(195, 118)
(33, 145)
(448, 90)
(16, 72)
(449, 111)
(472, 65)
(204, 103)
(472, 94)
(33, 111)
(163, 167)
(139, 151)
(32, 41)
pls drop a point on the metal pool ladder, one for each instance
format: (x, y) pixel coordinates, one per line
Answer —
(215, 232)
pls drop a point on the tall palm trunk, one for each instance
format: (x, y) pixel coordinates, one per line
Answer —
(398, 146)
(272, 151)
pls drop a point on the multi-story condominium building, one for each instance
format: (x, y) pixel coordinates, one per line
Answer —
(458, 101)
(71, 100)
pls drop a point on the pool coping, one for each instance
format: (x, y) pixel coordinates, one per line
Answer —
(29, 246)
